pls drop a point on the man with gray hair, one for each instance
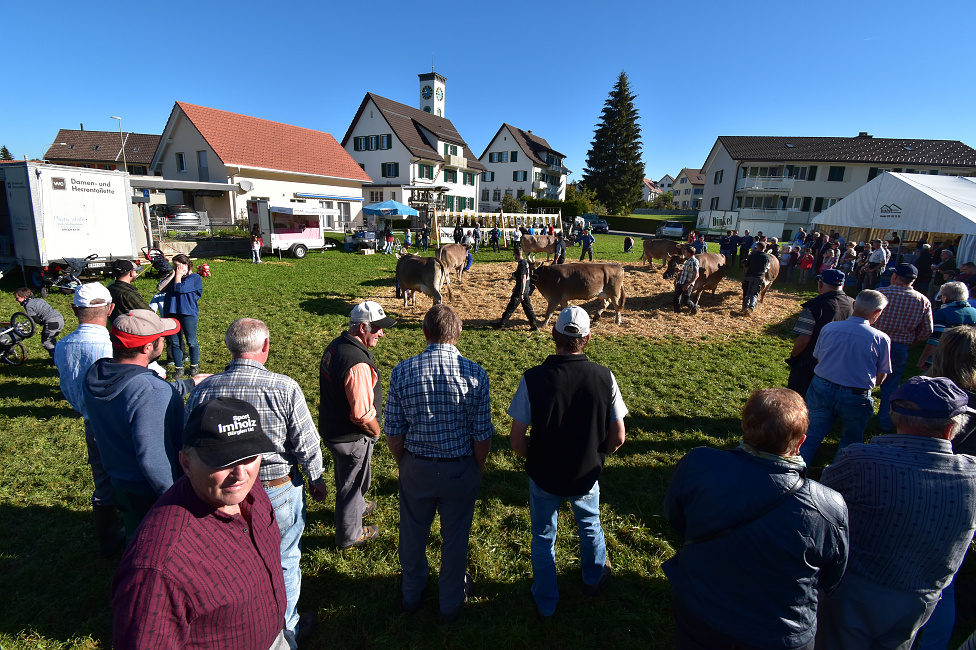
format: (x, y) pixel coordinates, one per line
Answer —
(852, 358)
(349, 420)
(955, 311)
(912, 505)
(286, 420)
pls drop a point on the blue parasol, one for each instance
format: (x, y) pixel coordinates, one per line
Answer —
(390, 208)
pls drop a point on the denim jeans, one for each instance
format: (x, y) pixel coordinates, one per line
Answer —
(288, 501)
(255, 255)
(827, 402)
(544, 509)
(188, 330)
(899, 359)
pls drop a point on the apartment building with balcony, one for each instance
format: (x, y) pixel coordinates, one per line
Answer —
(688, 188)
(520, 163)
(413, 152)
(789, 180)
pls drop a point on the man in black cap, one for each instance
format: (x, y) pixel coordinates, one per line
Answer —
(907, 321)
(125, 297)
(912, 505)
(204, 571)
(832, 304)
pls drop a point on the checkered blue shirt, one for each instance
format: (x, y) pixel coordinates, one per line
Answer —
(283, 410)
(689, 271)
(439, 401)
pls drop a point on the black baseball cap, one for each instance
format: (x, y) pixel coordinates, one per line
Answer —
(906, 270)
(225, 431)
(121, 267)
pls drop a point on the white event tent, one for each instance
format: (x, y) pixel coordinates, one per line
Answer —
(912, 204)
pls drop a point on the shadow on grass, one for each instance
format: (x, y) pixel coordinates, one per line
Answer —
(50, 573)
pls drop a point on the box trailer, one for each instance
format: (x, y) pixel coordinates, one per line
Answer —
(715, 223)
(52, 212)
(295, 229)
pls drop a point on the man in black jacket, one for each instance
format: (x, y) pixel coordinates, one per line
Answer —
(577, 418)
(125, 297)
(520, 293)
(756, 266)
(832, 304)
(349, 419)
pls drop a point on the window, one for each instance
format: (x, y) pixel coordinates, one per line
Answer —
(836, 173)
(450, 176)
(683, 180)
(496, 195)
(468, 179)
(520, 194)
(375, 197)
(326, 205)
(488, 177)
(344, 212)
(450, 149)
(520, 176)
(448, 202)
(794, 203)
(718, 176)
(181, 162)
(425, 171)
(202, 169)
(485, 194)
(493, 157)
(508, 192)
(390, 170)
(829, 202)
(812, 173)
(359, 143)
(697, 190)
(713, 205)
(503, 156)
(362, 166)
(798, 173)
(372, 142)
(687, 191)
(386, 141)
(514, 156)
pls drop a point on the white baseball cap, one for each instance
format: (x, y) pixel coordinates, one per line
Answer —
(574, 322)
(370, 312)
(93, 294)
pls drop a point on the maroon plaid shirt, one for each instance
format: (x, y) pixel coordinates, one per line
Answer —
(195, 577)
(907, 318)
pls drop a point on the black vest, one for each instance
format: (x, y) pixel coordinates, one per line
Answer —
(826, 308)
(570, 399)
(342, 354)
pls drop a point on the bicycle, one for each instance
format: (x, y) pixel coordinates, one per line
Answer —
(19, 328)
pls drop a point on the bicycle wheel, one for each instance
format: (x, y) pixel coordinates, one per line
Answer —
(14, 355)
(22, 324)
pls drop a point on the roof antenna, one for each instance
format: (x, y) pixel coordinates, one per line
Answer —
(431, 62)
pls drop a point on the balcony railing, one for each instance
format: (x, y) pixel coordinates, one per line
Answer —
(539, 185)
(753, 214)
(779, 184)
(455, 161)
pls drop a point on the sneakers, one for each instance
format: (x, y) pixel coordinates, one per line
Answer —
(178, 373)
(369, 532)
(592, 591)
(194, 370)
(370, 507)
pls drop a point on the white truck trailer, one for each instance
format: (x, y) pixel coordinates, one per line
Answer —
(52, 212)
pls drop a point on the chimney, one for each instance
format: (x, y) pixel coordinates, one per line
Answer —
(82, 125)
(864, 134)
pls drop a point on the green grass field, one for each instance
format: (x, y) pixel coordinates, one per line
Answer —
(681, 394)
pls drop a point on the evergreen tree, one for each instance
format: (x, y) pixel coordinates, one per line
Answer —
(5, 153)
(613, 165)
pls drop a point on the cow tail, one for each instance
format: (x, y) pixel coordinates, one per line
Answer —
(623, 298)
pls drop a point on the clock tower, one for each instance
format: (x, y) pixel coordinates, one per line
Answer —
(432, 93)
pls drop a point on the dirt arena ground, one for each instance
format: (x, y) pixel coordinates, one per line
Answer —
(648, 312)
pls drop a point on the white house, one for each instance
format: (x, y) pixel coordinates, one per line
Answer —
(520, 163)
(666, 183)
(789, 180)
(413, 151)
(689, 186)
(281, 163)
(649, 190)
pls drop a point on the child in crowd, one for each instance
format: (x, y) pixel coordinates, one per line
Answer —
(793, 263)
(806, 265)
(43, 314)
(784, 259)
(829, 260)
(256, 244)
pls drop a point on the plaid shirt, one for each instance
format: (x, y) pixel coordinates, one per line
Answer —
(689, 272)
(908, 317)
(284, 415)
(439, 400)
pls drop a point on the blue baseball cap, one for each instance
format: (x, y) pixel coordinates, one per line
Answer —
(832, 277)
(906, 271)
(935, 397)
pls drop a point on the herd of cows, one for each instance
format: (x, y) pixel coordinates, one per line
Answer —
(561, 283)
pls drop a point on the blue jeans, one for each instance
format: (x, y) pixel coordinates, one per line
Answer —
(288, 501)
(899, 359)
(255, 255)
(188, 330)
(544, 509)
(826, 402)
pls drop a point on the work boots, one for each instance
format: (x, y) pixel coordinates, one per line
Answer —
(108, 533)
(500, 323)
(530, 313)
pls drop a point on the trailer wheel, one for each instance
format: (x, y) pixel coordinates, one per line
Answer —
(22, 324)
(36, 278)
(299, 251)
(14, 355)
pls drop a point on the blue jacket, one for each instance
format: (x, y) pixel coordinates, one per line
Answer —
(181, 299)
(137, 419)
(757, 584)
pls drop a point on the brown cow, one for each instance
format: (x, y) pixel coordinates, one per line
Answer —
(659, 249)
(711, 270)
(532, 244)
(425, 274)
(561, 283)
(454, 257)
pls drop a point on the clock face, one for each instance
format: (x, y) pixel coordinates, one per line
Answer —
(426, 92)
(440, 93)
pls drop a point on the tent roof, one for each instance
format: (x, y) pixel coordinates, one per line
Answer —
(894, 201)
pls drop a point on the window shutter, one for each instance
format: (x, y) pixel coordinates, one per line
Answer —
(514, 156)
(806, 204)
(396, 169)
(818, 204)
(812, 174)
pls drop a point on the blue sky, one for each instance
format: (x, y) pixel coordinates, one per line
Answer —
(894, 69)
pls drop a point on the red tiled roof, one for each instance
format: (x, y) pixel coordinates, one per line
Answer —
(859, 149)
(241, 140)
(103, 146)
